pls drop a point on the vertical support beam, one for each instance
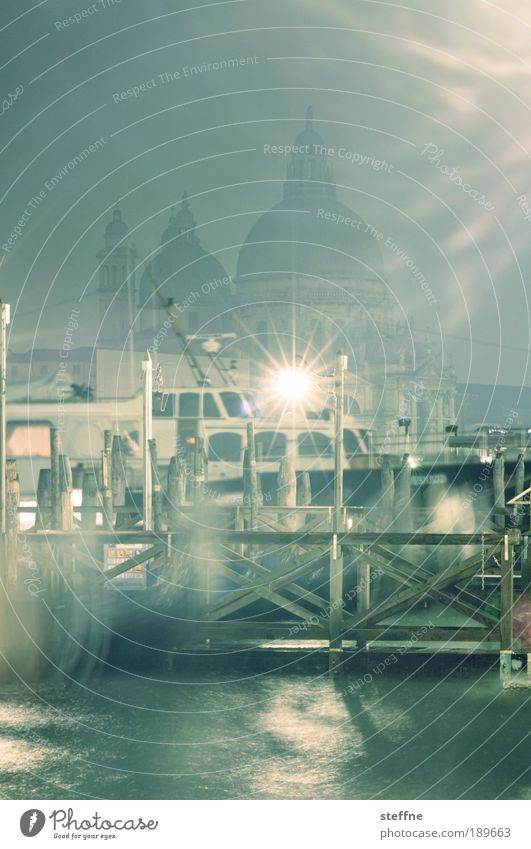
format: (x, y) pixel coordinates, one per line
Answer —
(364, 585)
(336, 553)
(106, 491)
(118, 481)
(402, 506)
(339, 386)
(157, 494)
(304, 495)
(55, 479)
(506, 602)
(147, 371)
(251, 476)
(387, 492)
(498, 483)
(107, 440)
(13, 501)
(176, 492)
(199, 470)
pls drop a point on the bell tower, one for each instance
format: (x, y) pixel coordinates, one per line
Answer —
(116, 281)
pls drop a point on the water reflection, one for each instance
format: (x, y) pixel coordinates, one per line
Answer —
(275, 736)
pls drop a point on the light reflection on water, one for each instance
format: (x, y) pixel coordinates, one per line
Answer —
(274, 736)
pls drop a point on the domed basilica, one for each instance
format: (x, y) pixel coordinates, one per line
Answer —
(309, 280)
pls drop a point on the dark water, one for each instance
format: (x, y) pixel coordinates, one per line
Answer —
(281, 734)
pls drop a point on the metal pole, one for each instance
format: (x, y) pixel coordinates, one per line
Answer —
(341, 364)
(147, 370)
(4, 321)
(335, 623)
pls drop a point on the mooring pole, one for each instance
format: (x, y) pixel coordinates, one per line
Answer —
(336, 554)
(55, 478)
(506, 607)
(4, 321)
(147, 371)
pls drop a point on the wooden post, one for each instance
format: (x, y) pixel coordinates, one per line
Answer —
(286, 484)
(287, 493)
(336, 552)
(13, 501)
(55, 481)
(506, 603)
(199, 470)
(304, 490)
(176, 492)
(519, 479)
(106, 491)
(250, 476)
(44, 500)
(65, 481)
(364, 585)
(118, 478)
(156, 489)
(387, 490)
(304, 495)
(107, 440)
(89, 498)
(498, 483)
(402, 506)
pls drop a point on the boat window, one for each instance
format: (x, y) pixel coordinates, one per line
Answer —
(270, 445)
(355, 442)
(236, 406)
(225, 446)
(28, 439)
(352, 408)
(210, 408)
(189, 404)
(315, 444)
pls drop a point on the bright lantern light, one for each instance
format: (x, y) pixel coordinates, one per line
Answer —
(293, 384)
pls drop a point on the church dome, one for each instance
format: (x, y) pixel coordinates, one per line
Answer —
(182, 270)
(310, 231)
(311, 236)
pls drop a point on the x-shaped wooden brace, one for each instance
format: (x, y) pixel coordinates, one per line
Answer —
(413, 575)
(284, 576)
(417, 590)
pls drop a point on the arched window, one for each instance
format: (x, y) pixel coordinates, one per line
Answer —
(314, 444)
(351, 408)
(270, 445)
(356, 441)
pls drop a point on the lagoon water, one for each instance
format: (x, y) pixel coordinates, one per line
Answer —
(221, 733)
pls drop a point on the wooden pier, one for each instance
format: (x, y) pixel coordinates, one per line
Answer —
(278, 575)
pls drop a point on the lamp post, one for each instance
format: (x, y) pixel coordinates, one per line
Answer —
(339, 386)
(336, 553)
(147, 371)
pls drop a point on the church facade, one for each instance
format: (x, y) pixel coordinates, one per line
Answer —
(309, 280)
